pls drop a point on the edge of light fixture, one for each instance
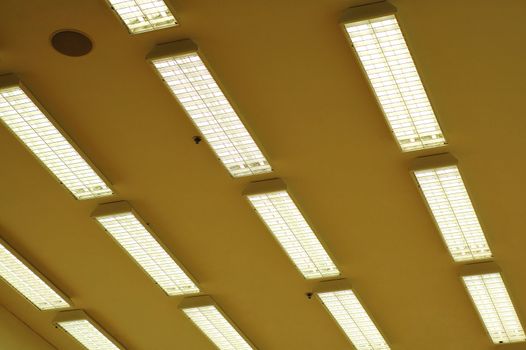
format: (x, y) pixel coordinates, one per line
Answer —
(188, 46)
(206, 300)
(341, 285)
(480, 268)
(168, 5)
(79, 315)
(277, 185)
(121, 207)
(367, 11)
(435, 161)
(12, 80)
(39, 275)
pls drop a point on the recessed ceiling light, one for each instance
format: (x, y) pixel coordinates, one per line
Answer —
(343, 305)
(187, 76)
(211, 320)
(23, 277)
(129, 230)
(441, 184)
(487, 290)
(22, 114)
(380, 46)
(86, 331)
(143, 15)
(281, 215)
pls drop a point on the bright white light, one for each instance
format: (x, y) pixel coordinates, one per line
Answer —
(449, 202)
(217, 328)
(26, 120)
(385, 57)
(353, 319)
(286, 223)
(149, 254)
(205, 103)
(495, 307)
(88, 335)
(20, 277)
(143, 15)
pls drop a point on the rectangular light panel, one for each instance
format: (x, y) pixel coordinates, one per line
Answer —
(287, 224)
(205, 103)
(143, 15)
(37, 132)
(210, 320)
(451, 207)
(86, 332)
(385, 57)
(134, 237)
(493, 303)
(347, 310)
(15, 272)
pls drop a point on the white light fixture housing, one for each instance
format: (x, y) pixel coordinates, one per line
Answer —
(184, 70)
(29, 282)
(130, 231)
(31, 124)
(488, 292)
(385, 58)
(443, 189)
(86, 331)
(347, 310)
(215, 324)
(276, 207)
(141, 16)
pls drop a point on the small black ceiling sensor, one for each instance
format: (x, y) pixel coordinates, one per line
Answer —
(197, 139)
(71, 43)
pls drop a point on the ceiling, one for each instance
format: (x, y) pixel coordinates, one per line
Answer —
(290, 71)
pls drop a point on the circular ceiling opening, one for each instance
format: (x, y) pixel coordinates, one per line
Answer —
(71, 43)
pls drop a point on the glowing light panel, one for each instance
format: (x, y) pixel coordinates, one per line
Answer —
(143, 15)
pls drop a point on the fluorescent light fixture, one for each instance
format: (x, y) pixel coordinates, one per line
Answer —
(441, 184)
(22, 114)
(380, 46)
(281, 215)
(85, 330)
(487, 290)
(23, 277)
(341, 302)
(133, 234)
(181, 67)
(211, 320)
(143, 15)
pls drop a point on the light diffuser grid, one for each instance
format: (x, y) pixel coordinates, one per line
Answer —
(353, 319)
(129, 232)
(20, 277)
(217, 328)
(288, 225)
(26, 120)
(451, 207)
(385, 57)
(143, 15)
(495, 307)
(205, 103)
(88, 335)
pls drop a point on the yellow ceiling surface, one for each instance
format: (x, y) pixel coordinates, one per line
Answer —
(292, 75)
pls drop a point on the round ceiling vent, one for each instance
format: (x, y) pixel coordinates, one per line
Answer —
(71, 43)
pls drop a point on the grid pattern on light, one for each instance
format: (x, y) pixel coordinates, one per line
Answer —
(205, 103)
(144, 248)
(20, 277)
(353, 319)
(495, 307)
(286, 223)
(451, 207)
(217, 328)
(385, 57)
(144, 15)
(26, 120)
(88, 335)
